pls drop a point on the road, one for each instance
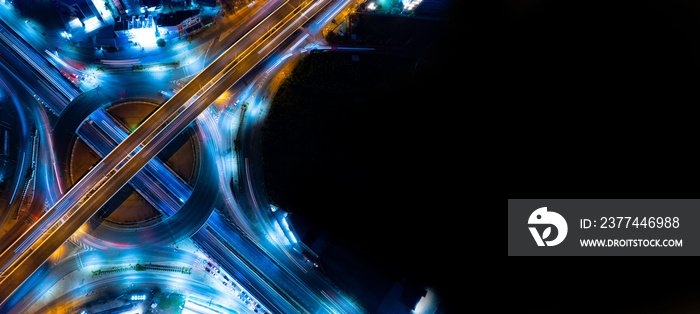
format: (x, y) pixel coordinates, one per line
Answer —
(268, 255)
(158, 184)
(282, 248)
(23, 155)
(77, 268)
(55, 95)
(114, 171)
(278, 279)
(36, 151)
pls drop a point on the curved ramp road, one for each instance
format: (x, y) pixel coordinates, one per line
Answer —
(33, 248)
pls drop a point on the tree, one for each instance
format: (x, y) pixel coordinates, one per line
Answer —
(160, 42)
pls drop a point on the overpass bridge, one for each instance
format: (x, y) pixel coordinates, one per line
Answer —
(83, 200)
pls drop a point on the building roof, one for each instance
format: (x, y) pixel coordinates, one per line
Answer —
(82, 9)
(105, 37)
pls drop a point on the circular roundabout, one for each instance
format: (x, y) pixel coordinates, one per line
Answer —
(165, 202)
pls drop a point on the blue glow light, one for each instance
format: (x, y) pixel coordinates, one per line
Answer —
(292, 237)
(138, 297)
(91, 24)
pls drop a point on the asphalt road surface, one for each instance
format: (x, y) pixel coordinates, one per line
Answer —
(119, 166)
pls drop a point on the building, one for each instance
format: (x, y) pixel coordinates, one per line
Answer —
(81, 18)
(178, 23)
(105, 37)
(137, 30)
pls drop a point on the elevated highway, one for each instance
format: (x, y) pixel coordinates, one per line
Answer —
(26, 254)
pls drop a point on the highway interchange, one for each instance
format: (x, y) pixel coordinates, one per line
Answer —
(255, 246)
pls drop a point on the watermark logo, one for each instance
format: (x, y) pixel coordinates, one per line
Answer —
(543, 217)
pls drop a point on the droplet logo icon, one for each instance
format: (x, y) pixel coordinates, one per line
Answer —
(543, 217)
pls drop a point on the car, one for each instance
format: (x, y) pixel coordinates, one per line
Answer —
(225, 283)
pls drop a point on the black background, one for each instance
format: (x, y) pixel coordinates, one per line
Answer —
(603, 98)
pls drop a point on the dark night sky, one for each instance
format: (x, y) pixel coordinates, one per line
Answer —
(601, 97)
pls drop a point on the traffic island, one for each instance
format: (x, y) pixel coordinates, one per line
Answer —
(143, 267)
(128, 220)
(129, 209)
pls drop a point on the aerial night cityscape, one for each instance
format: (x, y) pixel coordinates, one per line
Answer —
(229, 156)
